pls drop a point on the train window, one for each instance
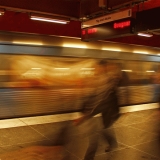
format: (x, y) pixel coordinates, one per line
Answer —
(37, 71)
(148, 72)
(132, 70)
(4, 69)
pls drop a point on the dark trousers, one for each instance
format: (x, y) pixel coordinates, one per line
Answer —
(107, 134)
(92, 146)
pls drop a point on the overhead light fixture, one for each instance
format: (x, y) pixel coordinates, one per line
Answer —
(2, 11)
(74, 45)
(27, 43)
(150, 71)
(48, 18)
(140, 52)
(126, 70)
(111, 49)
(145, 34)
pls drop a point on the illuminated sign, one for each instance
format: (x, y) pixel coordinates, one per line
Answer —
(113, 29)
(89, 31)
(121, 24)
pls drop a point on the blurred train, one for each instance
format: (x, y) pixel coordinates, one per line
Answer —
(50, 78)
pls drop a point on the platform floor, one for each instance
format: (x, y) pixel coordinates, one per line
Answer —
(137, 134)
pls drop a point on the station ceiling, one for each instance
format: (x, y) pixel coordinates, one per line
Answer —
(77, 10)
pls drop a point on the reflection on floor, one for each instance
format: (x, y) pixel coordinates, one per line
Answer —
(137, 134)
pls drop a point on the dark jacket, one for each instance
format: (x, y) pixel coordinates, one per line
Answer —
(105, 101)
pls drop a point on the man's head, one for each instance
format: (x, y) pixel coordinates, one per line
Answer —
(102, 62)
(104, 67)
(101, 67)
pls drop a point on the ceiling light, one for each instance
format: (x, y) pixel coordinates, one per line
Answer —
(1, 11)
(111, 49)
(145, 34)
(150, 71)
(125, 70)
(74, 45)
(140, 52)
(47, 18)
(27, 43)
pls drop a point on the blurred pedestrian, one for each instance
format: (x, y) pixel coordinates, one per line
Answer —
(103, 100)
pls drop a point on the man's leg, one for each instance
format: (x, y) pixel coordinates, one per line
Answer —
(110, 137)
(92, 146)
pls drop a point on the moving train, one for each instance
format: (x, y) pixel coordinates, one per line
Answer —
(42, 75)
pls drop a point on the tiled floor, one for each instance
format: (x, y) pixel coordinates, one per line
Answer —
(137, 134)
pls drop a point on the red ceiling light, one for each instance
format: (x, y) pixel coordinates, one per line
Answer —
(48, 18)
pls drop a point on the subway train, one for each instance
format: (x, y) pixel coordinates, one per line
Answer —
(43, 75)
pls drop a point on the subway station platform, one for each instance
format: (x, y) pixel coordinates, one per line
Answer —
(41, 138)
